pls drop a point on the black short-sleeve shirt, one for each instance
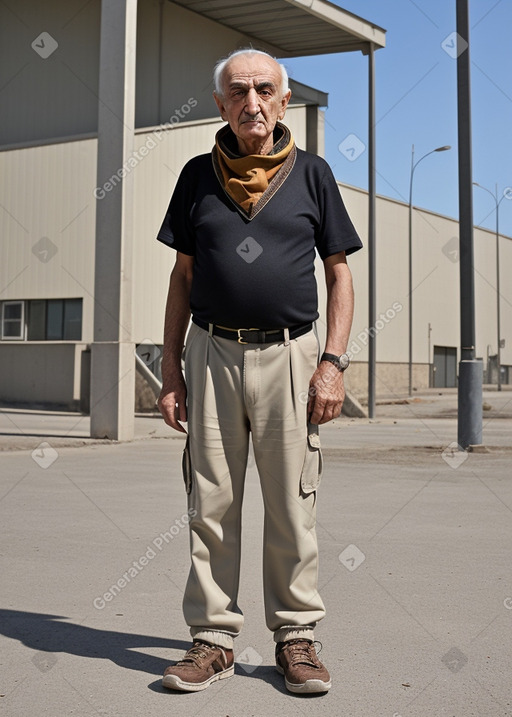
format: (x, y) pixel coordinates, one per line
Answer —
(257, 273)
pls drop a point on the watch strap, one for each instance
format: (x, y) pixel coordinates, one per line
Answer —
(332, 358)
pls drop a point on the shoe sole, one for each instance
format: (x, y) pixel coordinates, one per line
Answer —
(307, 687)
(173, 682)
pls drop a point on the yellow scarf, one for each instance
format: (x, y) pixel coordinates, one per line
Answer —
(247, 178)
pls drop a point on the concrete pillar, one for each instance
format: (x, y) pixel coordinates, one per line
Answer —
(112, 357)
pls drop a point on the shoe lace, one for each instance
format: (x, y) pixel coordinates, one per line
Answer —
(302, 652)
(198, 651)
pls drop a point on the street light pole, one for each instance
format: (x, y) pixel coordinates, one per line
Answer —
(497, 203)
(498, 348)
(469, 392)
(413, 167)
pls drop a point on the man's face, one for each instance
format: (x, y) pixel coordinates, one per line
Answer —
(252, 101)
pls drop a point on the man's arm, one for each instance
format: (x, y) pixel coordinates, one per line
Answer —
(172, 399)
(327, 390)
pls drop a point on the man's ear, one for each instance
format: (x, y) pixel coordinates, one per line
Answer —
(284, 104)
(220, 105)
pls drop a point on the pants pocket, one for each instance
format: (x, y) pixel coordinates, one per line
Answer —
(313, 463)
(186, 467)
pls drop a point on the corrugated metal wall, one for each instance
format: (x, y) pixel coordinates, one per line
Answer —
(48, 224)
(435, 282)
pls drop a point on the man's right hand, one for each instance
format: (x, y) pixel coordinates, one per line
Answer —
(172, 404)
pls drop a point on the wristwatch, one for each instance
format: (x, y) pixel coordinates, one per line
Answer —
(341, 362)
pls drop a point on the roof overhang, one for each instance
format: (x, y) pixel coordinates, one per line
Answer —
(293, 28)
(304, 94)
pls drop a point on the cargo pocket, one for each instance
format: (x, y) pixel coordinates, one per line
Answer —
(313, 464)
(186, 467)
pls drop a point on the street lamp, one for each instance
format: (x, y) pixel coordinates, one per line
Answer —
(413, 167)
(497, 203)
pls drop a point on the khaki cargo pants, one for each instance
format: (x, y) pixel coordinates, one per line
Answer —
(235, 390)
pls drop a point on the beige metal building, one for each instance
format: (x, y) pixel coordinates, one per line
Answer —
(435, 299)
(102, 104)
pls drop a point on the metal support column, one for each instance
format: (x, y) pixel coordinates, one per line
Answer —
(372, 301)
(112, 359)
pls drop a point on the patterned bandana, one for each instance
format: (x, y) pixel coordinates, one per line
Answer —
(245, 179)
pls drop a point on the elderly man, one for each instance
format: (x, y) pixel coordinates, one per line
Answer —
(245, 221)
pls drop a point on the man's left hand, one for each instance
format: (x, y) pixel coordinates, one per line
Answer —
(326, 394)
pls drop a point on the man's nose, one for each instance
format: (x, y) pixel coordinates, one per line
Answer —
(252, 104)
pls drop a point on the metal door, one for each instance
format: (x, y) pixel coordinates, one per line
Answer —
(445, 367)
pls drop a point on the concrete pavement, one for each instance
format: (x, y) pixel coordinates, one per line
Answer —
(415, 571)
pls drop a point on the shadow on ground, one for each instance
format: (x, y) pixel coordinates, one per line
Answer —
(47, 634)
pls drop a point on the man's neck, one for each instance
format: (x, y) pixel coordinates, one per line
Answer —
(257, 147)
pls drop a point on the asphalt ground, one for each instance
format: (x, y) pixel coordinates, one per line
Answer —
(415, 570)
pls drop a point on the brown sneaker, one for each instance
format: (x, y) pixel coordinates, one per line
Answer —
(298, 662)
(200, 666)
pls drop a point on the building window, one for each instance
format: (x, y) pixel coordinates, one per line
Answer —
(45, 320)
(36, 320)
(54, 319)
(13, 320)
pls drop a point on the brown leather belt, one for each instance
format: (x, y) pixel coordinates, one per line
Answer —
(254, 336)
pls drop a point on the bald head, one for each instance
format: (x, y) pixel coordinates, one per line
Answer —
(264, 57)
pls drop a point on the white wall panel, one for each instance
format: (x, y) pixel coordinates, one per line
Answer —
(47, 224)
(506, 298)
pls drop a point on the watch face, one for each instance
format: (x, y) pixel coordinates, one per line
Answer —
(344, 361)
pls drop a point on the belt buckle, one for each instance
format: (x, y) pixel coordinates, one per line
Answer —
(240, 339)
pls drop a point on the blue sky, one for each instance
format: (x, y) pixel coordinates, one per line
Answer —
(416, 103)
